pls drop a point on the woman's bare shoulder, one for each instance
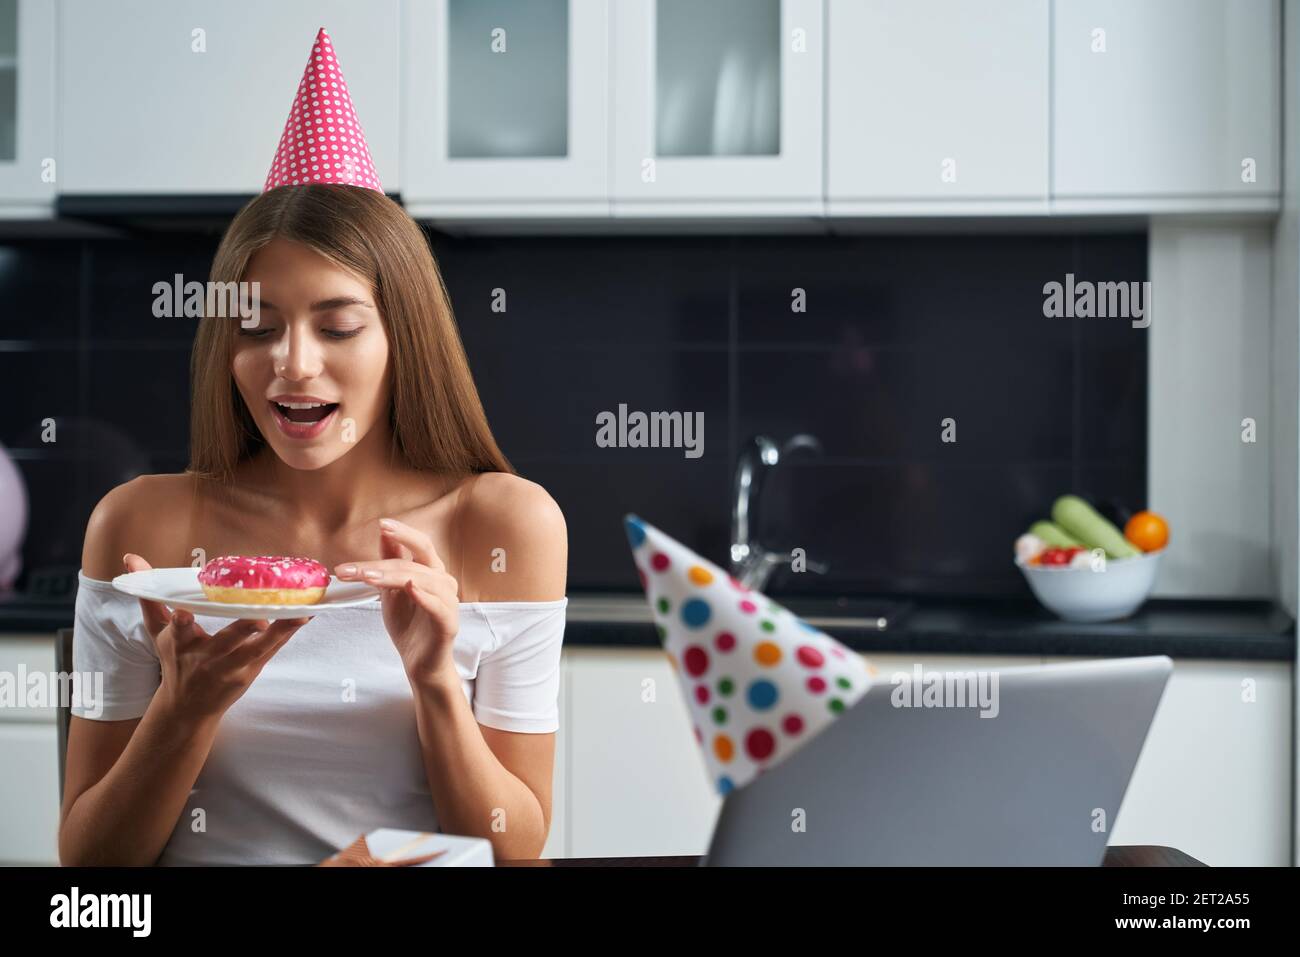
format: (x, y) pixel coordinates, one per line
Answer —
(135, 517)
(516, 540)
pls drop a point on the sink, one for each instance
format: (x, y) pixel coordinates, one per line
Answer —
(878, 613)
(874, 613)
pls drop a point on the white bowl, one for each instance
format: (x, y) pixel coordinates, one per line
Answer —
(1103, 594)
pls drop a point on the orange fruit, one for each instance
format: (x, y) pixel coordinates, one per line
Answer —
(1148, 531)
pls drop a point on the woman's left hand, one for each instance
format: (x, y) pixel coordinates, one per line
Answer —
(420, 599)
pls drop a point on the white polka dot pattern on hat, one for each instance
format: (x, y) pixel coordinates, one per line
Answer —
(322, 141)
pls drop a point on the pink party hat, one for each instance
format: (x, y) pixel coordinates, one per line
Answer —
(322, 140)
(759, 681)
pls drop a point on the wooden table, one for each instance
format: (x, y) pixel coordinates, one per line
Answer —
(1134, 855)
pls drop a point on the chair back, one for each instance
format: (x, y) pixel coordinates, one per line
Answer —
(63, 665)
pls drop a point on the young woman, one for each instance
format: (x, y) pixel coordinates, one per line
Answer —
(278, 743)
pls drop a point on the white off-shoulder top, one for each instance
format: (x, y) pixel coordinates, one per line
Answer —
(322, 747)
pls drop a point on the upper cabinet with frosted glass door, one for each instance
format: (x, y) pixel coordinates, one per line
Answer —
(28, 164)
(717, 107)
(506, 109)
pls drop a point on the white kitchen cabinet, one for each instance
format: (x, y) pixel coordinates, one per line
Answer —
(717, 107)
(28, 166)
(1166, 105)
(29, 793)
(933, 105)
(637, 779)
(1214, 776)
(506, 108)
(29, 766)
(171, 97)
(638, 785)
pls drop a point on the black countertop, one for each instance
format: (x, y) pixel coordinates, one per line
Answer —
(1245, 630)
(1255, 630)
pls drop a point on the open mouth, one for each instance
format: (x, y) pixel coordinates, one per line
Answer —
(304, 416)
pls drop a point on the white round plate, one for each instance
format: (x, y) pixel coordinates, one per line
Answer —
(179, 588)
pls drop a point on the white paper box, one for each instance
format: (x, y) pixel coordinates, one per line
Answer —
(461, 851)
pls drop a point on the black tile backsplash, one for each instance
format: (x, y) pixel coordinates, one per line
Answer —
(41, 296)
(887, 404)
(122, 276)
(628, 294)
(543, 401)
(897, 334)
(36, 384)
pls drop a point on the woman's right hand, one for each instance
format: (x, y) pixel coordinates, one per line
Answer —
(202, 674)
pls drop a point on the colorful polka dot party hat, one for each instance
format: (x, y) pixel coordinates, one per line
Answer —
(759, 681)
(322, 140)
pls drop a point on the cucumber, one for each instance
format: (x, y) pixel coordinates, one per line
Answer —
(1053, 535)
(1081, 520)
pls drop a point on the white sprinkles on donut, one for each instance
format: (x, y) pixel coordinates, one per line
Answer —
(269, 577)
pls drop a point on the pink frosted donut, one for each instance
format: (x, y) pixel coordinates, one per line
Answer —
(264, 580)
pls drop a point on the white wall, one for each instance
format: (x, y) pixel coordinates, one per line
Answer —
(1286, 331)
(1210, 343)
(1286, 359)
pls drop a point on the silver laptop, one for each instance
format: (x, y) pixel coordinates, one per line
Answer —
(1038, 781)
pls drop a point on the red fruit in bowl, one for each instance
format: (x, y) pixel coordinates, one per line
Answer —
(1059, 556)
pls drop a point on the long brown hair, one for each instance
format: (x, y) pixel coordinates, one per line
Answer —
(436, 416)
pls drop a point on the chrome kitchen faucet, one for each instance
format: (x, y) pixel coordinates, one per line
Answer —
(751, 563)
